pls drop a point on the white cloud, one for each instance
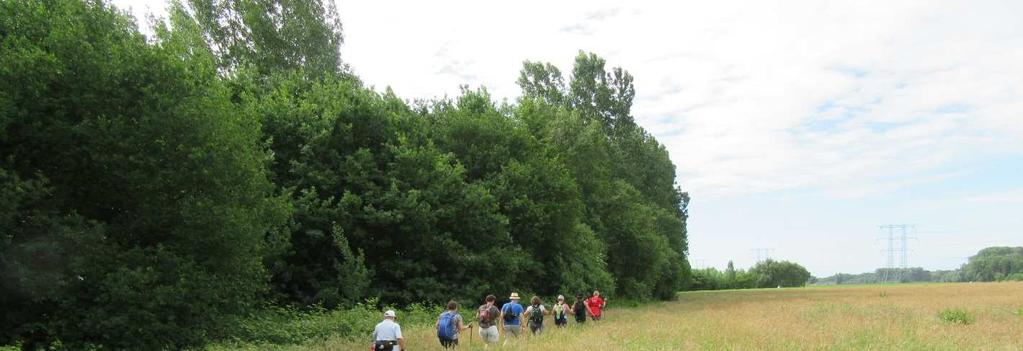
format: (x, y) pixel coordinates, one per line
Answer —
(851, 98)
(848, 97)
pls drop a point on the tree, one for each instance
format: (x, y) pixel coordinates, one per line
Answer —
(271, 35)
(730, 274)
(772, 273)
(139, 205)
(993, 264)
(626, 180)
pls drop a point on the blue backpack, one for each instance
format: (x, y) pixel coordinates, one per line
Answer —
(446, 330)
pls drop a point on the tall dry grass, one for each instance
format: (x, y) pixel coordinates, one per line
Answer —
(895, 317)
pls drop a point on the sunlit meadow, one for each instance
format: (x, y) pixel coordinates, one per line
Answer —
(892, 317)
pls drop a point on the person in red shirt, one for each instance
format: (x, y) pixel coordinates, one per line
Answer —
(595, 306)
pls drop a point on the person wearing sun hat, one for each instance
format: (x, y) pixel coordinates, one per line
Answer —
(511, 315)
(387, 334)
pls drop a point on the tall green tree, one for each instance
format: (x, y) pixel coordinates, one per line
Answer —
(625, 177)
(771, 273)
(994, 264)
(271, 35)
(139, 205)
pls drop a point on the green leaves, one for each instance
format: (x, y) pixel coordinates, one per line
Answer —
(152, 191)
(156, 205)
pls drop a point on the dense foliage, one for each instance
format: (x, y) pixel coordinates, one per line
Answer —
(155, 189)
(995, 264)
(136, 206)
(765, 274)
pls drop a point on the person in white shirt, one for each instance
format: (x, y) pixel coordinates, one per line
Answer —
(387, 334)
(534, 314)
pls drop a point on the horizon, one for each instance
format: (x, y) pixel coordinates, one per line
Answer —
(798, 127)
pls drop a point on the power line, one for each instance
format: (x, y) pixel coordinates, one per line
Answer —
(900, 250)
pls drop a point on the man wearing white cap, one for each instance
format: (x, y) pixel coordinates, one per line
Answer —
(387, 334)
(511, 314)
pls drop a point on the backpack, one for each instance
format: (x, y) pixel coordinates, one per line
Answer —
(446, 330)
(580, 310)
(536, 316)
(509, 313)
(559, 311)
(483, 316)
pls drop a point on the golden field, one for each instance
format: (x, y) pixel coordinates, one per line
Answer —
(891, 317)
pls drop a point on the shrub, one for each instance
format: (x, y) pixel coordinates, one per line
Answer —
(292, 326)
(956, 316)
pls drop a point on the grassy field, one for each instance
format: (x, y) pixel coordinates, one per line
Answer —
(902, 317)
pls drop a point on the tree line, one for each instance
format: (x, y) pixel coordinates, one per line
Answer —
(153, 188)
(999, 263)
(765, 274)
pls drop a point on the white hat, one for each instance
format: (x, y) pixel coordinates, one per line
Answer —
(561, 297)
(390, 313)
(514, 296)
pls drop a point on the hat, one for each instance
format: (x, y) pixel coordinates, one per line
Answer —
(514, 296)
(561, 297)
(390, 313)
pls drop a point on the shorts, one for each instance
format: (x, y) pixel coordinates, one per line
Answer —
(385, 345)
(536, 328)
(512, 330)
(489, 334)
(561, 322)
(448, 343)
(580, 319)
(595, 318)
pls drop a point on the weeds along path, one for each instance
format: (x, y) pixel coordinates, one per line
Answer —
(894, 317)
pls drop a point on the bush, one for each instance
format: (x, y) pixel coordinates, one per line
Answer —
(291, 326)
(956, 316)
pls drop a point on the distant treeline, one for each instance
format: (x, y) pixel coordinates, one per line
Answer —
(990, 264)
(155, 188)
(765, 274)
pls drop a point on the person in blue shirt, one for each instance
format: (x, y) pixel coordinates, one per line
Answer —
(511, 316)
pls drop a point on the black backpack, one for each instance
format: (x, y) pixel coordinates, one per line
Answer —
(536, 316)
(580, 310)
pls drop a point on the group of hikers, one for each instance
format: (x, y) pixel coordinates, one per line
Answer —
(511, 317)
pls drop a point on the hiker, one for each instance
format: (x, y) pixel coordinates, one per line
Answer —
(387, 334)
(561, 312)
(449, 325)
(487, 316)
(534, 314)
(579, 309)
(511, 315)
(595, 304)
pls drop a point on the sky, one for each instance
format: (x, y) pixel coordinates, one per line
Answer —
(799, 127)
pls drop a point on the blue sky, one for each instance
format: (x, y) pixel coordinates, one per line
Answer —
(798, 125)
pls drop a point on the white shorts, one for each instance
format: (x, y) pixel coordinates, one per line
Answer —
(490, 335)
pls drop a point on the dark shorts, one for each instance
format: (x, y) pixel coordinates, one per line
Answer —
(448, 343)
(561, 322)
(386, 345)
(596, 318)
(536, 328)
